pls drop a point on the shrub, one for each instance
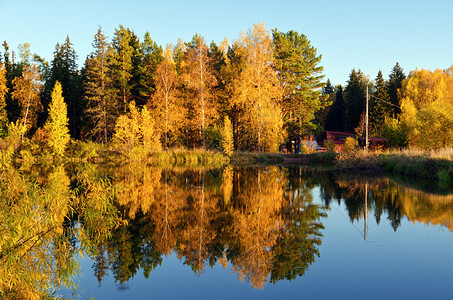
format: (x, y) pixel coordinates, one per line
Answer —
(350, 145)
(330, 145)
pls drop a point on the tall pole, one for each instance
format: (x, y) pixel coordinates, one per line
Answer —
(366, 120)
(365, 211)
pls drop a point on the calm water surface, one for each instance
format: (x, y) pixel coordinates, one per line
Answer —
(267, 232)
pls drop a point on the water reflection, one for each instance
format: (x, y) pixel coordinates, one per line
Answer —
(262, 222)
(386, 197)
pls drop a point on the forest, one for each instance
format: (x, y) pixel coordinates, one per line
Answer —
(252, 94)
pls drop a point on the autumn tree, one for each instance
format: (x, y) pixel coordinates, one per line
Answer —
(98, 89)
(229, 98)
(3, 91)
(57, 122)
(63, 68)
(26, 90)
(427, 108)
(200, 81)
(259, 91)
(300, 78)
(164, 105)
(134, 132)
(227, 137)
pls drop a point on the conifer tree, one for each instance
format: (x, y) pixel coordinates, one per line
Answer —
(328, 89)
(57, 123)
(299, 73)
(335, 120)
(394, 83)
(64, 69)
(98, 91)
(150, 56)
(379, 107)
(124, 60)
(354, 100)
(321, 116)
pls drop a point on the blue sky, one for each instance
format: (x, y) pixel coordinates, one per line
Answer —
(361, 34)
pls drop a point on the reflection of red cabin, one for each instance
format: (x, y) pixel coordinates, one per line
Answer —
(339, 138)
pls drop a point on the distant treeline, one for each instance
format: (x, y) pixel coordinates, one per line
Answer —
(415, 111)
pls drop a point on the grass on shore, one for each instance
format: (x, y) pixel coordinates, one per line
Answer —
(433, 164)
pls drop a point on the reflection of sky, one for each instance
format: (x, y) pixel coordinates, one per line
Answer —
(413, 263)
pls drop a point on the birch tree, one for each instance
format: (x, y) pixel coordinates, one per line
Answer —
(198, 77)
(26, 90)
(164, 103)
(259, 91)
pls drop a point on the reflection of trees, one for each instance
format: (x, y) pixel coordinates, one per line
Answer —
(165, 215)
(387, 197)
(255, 223)
(265, 225)
(35, 252)
(262, 221)
(298, 242)
(197, 234)
(137, 188)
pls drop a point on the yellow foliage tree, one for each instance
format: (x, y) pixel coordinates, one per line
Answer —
(227, 137)
(3, 91)
(57, 123)
(135, 131)
(198, 74)
(259, 91)
(26, 90)
(165, 109)
(427, 108)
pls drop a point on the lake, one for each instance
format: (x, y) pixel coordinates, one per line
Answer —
(140, 232)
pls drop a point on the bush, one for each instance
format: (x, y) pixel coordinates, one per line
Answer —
(330, 145)
(350, 145)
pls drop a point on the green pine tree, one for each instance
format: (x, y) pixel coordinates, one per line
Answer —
(299, 72)
(394, 83)
(379, 107)
(101, 109)
(335, 120)
(354, 100)
(151, 55)
(125, 65)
